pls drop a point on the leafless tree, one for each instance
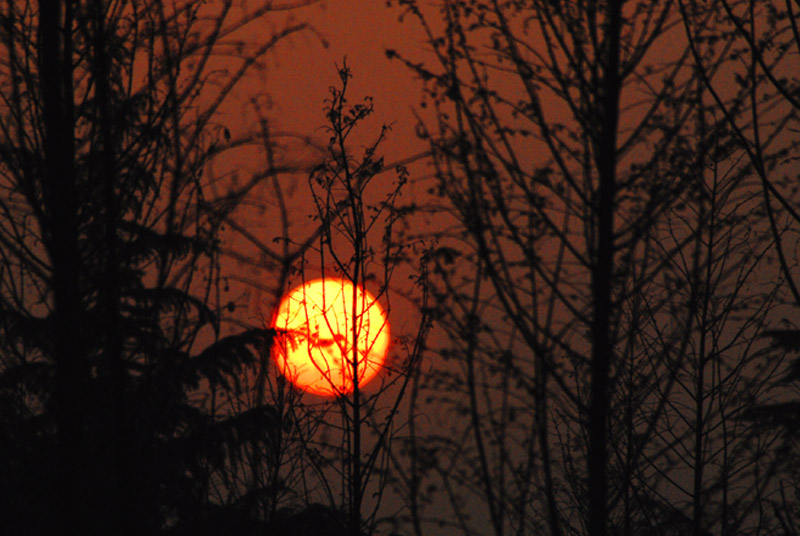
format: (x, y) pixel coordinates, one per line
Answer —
(358, 243)
(334, 452)
(703, 462)
(763, 119)
(584, 271)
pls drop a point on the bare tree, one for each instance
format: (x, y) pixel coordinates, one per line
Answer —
(582, 273)
(358, 243)
(763, 119)
(331, 456)
(704, 463)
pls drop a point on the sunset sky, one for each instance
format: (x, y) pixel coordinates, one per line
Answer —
(562, 262)
(296, 82)
(303, 68)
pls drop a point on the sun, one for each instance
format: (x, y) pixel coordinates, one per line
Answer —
(320, 326)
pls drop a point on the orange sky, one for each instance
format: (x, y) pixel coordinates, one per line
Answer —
(302, 68)
(298, 75)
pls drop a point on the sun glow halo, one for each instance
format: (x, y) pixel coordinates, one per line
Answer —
(315, 332)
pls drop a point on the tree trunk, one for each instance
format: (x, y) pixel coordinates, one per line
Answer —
(603, 275)
(61, 240)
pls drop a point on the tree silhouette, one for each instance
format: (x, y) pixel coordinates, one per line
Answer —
(763, 117)
(614, 231)
(113, 337)
(351, 449)
(593, 194)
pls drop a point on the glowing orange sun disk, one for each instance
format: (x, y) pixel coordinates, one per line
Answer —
(317, 324)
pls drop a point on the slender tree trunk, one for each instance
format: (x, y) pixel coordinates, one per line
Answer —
(61, 240)
(603, 275)
(707, 219)
(355, 474)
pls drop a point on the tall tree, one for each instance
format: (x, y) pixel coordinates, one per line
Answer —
(350, 444)
(763, 118)
(569, 140)
(110, 282)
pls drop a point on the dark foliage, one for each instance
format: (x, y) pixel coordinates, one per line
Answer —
(112, 343)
